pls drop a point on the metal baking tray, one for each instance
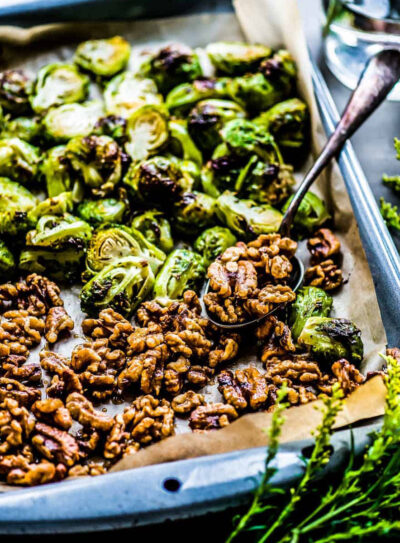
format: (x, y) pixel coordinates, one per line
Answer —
(197, 486)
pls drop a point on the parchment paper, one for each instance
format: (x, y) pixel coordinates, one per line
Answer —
(276, 24)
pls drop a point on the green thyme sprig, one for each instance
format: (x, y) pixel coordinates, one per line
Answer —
(390, 214)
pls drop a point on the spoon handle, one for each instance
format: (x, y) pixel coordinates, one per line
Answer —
(376, 81)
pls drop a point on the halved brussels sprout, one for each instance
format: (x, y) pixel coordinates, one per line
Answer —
(70, 120)
(7, 262)
(183, 270)
(122, 285)
(19, 160)
(213, 242)
(184, 96)
(106, 210)
(113, 126)
(58, 84)
(127, 92)
(103, 57)
(97, 160)
(243, 138)
(207, 119)
(28, 129)
(245, 217)
(237, 58)
(311, 213)
(15, 90)
(147, 131)
(59, 232)
(63, 266)
(194, 212)
(171, 66)
(155, 228)
(222, 171)
(15, 203)
(116, 241)
(57, 205)
(181, 143)
(310, 302)
(57, 171)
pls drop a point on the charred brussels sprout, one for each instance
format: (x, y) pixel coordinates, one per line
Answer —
(171, 66)
(116, 241)
(213, 242)
(310, 302)
(112, 126)
(184, 96)
(15, 90)
(122, 285)
(70, 120)
(97, 160)
(127, 92)
(222, 171)
(244, 138)
(59, 232)
(155, 228)
(193, 212)
(181, 142)
(15, 203)
(208, 118)
(28, 129)
(57, 205)
(57, 171)
(332, 339)
(311, 213)
(106, 210)
(103, 57)
(7, 262)
(18, 160)
(158, 181)
(147, 131)
(63, 266)
(246, 218)
(58, 84)
(288, 122)
(183, 270)
(237, 58)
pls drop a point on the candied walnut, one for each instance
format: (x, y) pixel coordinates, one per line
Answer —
(225, 309)
(57, 321)
(348, 375)
(16, 425)
(55, 444)
(187, 402)
(220, 279)
(325, 275)
(146, 420)
(174, 375)
(91, 468)
(199, 375)
(226, 350)
(300, 395)
(82, 410)
(23, 327)
(42, 290)
(248, 388)
(276, 337)
(246, 279)
(234, 253)
(15, 367)
(323, 245)
(145, 338)
(64, 380)
(24, 395)
(147, 369)
(110, 325)
(212, 416)
(21, 472)
(274, 244)
(188, 343)
(9, 345)
(52, 411)
(8, 296)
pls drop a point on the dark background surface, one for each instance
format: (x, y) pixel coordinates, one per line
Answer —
(373, 144)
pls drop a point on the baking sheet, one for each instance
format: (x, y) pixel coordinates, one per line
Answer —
(276, 24)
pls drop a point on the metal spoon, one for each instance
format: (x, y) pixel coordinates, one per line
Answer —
(379, 76)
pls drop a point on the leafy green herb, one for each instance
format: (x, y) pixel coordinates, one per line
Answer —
(390, 214)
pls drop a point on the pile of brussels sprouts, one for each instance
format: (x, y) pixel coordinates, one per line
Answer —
(147, 185)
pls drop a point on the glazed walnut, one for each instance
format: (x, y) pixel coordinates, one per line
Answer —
(16, 425)
(348, 375)
(276, 338)
(64, 379)
(212, 416)
(82, 410)
(22, 327)
(188, 401)
(57, 321)
(110, 325)
(325, 275)
(20, 471)
(55, 444)
(246, 389)
(24, 395)
(53, 412)
(323, 245)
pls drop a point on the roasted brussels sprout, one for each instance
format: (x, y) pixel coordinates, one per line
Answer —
(237, 58)
(116, 241)
(97, 160)
(70, 120)
(181, 143)
(194, 212)
(58, 84)
(213, 242)
(246, 218)
(171, 66)
(183, 270)
(57, 205)
(122, 285)
(311, 213)
(57, 171)
(19, 160)
(7, 262)
(244, 138)
(127, 92)
(207, 119)
(184, 96)
(113, 126)
(158, 181)
(105, 210)
(15, 90)
(222, 171)
(103, 57)
(147, 131)
(63, 266)
(155, 228)
(28, 129)
(15, 203)
(310, 302)
(59, 232)
(332, 339)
